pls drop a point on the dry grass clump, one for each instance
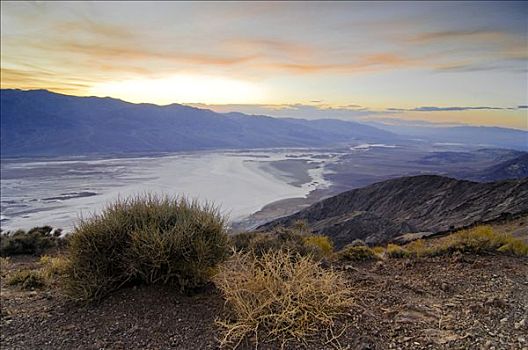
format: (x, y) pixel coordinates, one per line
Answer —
(395, 251)
(357, 253)
(320, 242)
(279, 296)
(4, 265)
(379, 251)
(145, 240)
(297, 240)
(515, 247)
(417, 248)
(54, 266)
(28, 279)
(479, 240)
(49, 271)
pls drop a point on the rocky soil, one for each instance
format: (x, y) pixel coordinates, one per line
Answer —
(458, 302)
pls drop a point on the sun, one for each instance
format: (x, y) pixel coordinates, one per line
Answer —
(182, 88)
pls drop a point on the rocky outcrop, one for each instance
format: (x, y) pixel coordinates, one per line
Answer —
(387, 209)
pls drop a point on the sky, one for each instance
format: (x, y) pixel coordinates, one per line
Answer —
(433, 62)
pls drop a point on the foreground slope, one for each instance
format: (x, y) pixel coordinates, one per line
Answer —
(40, 122)
(381, 211)
(460, 302)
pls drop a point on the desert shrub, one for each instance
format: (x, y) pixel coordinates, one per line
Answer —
(242, 241)
(35, 241)
(321, 242)
(145, 240)
(5, 262)
(479, 240)
(28, 279)
(515, 247)
(279, 296)
(356, 253)
(396, 251)
(418, 247)
(379, 251)
(282, 239)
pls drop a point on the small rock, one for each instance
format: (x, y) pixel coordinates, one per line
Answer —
(504, 320)
(520, 324)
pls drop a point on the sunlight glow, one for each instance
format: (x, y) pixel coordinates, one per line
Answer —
(181, 88)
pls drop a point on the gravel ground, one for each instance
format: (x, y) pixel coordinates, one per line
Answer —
(460, 302)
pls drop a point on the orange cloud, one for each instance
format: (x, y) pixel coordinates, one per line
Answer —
(365, 63)
(16, 79)
(471, 35)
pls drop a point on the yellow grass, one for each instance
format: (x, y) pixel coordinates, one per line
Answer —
(322, 242)
(279, 297)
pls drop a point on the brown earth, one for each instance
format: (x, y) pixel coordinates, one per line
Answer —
(457, 302)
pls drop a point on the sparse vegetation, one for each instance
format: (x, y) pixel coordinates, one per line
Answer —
(417, 248)
(54, 266)
(379, 251)
(279, 296)
(145, 240)
(479, 240)
(323, 243)
(357, 253)
(395, 251)
(35, 242)
(297, 240)
(5, 262)
(28, 279)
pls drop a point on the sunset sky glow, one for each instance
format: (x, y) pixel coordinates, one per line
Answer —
(441, 62)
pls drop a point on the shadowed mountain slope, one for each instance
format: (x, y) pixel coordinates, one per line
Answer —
(381, 211)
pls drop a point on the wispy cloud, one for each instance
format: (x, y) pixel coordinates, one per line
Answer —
(298, 110)
(444, 109)
(466, 35)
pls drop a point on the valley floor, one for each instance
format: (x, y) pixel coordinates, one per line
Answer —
(458, 302)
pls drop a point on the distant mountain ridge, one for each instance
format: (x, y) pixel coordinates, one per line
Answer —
(379, 212)
(39, 122)
(43, 123)
(483, 136)
(516, 168)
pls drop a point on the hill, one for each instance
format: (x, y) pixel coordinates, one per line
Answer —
(516, 168)
(483, 136)
(384, 210)
(40, 122)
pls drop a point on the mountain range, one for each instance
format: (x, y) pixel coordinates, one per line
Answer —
(428, 203)
(39, 122)
(43, 123)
